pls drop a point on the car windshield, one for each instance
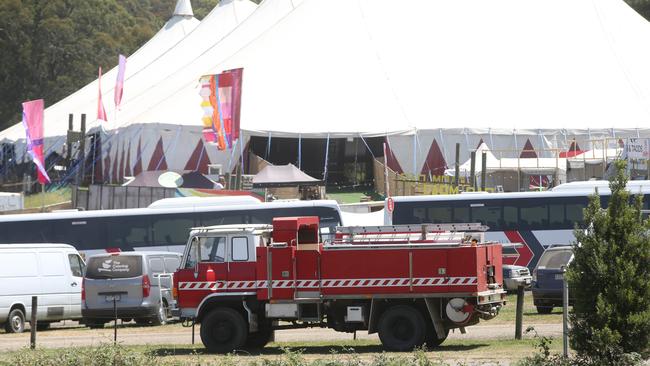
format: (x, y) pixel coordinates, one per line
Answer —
(111, 266)
(555, 258)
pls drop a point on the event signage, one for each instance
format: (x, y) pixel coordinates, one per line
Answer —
(637, 149)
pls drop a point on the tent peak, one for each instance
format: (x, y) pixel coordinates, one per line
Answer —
(183, 8)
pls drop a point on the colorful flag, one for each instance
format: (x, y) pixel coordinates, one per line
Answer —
(101, 112)
(221, 103)
(33, 123)
(119, 84)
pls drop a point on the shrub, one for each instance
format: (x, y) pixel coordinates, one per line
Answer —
(610, 278)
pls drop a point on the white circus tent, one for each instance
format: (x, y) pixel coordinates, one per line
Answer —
(514, 74)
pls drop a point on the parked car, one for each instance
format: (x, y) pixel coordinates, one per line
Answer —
(548, 278)
(515, 276)
(52, 272)
(139, 283)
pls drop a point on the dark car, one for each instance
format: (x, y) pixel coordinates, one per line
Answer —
(548, 277)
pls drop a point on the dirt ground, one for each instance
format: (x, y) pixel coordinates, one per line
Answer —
(70, 334)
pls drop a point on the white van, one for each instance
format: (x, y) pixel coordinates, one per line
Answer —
(52, 272)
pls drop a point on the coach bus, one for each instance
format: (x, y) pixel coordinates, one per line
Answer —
(164, 225)
(534, 219)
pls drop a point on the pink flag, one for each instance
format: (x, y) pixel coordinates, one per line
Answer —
(101, 112)
(33, 123)
(119, 84)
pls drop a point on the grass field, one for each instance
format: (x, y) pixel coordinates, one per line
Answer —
(48, 198)
(508, 313)
(360, 352)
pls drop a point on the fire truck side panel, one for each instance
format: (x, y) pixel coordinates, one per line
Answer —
(261, 266)
(364, 271)
(429, 270)
(307, 271)
(495, 256)
(282, 272)
(462, 270)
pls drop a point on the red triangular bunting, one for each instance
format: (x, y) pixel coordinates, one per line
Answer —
(528, 151)
(199, 160)
(574, 150)
(158, 161)
(137, 168)
(435, 163)
(391, 160)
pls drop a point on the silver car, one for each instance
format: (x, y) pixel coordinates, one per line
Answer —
(515, 276)
(129, 285)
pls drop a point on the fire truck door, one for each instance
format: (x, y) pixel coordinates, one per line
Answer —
(241, 263)
(212, 267)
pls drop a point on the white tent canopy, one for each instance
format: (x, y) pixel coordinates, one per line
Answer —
(508, 72)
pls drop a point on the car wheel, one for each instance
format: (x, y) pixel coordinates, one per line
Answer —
(223, 330)
(161, 316)
(544, 309)
(401, 328)
(15, 321)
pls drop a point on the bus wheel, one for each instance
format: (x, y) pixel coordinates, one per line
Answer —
(401, 328)
(15, 321)
(223, 330)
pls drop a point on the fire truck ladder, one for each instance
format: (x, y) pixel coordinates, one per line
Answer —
(429, 232)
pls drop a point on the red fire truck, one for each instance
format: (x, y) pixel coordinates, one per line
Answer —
(411, 284)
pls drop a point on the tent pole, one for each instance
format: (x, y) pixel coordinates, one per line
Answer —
(457, 164)
(268, 147)
(327, 153)
(300, 151)
(415, 155)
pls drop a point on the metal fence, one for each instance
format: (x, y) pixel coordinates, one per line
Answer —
(101, 197)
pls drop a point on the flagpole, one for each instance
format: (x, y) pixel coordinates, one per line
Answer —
(42, 197)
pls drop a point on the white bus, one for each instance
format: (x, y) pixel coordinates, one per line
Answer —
(164, 225)
(535, 219)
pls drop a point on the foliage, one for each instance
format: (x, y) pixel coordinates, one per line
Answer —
(610, 278)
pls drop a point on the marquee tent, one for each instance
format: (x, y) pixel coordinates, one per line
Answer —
(518, 75)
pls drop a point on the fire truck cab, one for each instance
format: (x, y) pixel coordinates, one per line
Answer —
(411, 284)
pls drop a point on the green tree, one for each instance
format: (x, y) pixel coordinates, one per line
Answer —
(610, 278)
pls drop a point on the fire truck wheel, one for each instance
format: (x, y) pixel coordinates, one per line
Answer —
(223, 330)
(260, 338)
(432, 339)
(401, 328)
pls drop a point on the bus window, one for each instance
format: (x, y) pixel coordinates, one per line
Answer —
(461, 214)
(533, 214)
(83, 233)
(510, 217)
(127, 232)
(171, 229)
(222, 218)
(420, 215)
(556, 216)
(439, 215)
(574, 214)
(486, 215)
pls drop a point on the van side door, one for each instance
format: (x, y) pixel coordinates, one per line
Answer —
(76, 272)
(55, 298)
